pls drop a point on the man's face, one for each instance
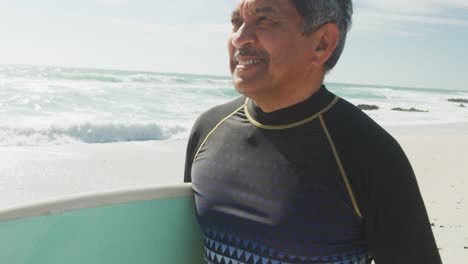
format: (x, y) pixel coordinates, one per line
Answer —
(268, 50)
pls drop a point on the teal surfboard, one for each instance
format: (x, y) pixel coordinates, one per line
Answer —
(137, 226)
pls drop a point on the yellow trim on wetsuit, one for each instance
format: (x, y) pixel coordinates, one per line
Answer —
(340, 165)
(211, 132)
(295, 124)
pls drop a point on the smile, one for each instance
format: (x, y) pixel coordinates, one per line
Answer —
(248, 62)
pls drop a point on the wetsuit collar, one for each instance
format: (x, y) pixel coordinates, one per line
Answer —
(303, 111)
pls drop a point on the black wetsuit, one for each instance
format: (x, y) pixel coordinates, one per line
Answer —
(317, 182)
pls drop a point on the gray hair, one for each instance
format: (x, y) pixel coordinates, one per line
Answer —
(319, 12)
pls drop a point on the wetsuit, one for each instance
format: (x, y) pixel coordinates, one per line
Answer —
(317, 182)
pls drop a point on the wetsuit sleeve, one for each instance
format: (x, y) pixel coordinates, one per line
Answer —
(385, 187)
(396, 220)
(204, 124)
(199, 131)
(190, 154)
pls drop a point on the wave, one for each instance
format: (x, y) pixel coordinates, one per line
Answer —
(101, 75)
(83, 77)
(89, 133)
(371, 93)
(54, 73)
(176, 78)
(150, 78)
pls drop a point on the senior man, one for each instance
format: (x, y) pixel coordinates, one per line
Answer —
(291, 173)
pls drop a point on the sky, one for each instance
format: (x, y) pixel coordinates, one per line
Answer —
(416, 43)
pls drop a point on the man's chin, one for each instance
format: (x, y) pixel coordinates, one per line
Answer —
(246, 87)
(238, 86)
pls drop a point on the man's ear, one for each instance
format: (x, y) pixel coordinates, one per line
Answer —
(325, 40)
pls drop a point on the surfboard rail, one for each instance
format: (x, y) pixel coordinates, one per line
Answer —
(94, 199)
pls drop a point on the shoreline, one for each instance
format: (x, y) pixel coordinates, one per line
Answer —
(438, 154)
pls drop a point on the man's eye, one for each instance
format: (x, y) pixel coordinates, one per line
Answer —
(265, 21)
(237, 22)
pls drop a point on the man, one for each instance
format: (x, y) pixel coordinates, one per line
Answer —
(291, 173)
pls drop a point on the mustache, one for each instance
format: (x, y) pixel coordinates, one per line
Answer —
(247, 51)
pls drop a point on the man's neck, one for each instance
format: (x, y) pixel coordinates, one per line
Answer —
(273, 102)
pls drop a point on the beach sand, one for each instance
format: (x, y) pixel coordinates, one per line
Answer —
(438, 153)
(37, 173)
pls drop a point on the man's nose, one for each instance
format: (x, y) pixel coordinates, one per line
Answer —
(244, 36)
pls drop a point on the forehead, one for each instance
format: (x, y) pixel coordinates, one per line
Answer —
(259, 7)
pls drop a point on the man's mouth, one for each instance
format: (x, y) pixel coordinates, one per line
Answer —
(246, 59)
(243, 63)
(248, 62)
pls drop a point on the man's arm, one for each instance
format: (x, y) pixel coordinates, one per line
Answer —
(385, 187)
(190, 153)
(204, 124)
(395, 216)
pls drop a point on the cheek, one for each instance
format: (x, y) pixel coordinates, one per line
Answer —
(231, 54)
(286, 57)
(280, 61)
(279, 51)
(230, 48)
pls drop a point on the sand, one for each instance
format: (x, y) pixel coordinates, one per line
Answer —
(438, 153)
(37, 173)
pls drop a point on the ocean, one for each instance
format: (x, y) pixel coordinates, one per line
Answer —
(42, 105)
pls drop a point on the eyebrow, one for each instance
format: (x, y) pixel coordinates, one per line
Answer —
(258, 11)
(265, 9)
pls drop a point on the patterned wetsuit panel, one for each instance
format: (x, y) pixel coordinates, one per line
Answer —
(225, 248)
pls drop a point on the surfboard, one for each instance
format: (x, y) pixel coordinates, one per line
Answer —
(138, 225)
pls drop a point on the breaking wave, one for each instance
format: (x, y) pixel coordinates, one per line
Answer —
(89, 133)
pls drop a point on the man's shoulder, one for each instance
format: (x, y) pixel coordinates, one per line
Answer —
(355, 125)
(210, 118)
(361, 142)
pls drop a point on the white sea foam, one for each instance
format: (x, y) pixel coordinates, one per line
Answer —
(53, 105)
(439, 110)
(89, 133)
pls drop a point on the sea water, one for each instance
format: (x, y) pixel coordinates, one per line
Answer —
(42, 105)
